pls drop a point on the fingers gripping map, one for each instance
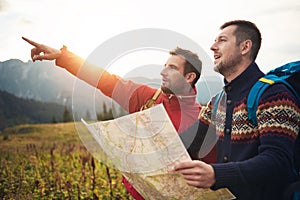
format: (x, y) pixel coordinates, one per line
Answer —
(144, 146)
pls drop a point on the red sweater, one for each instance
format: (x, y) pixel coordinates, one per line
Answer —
(183, 112)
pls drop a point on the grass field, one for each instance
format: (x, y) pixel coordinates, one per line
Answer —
(48, 161)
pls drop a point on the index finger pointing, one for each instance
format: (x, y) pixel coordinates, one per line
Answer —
(31, 42)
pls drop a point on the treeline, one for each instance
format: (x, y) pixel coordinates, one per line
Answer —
(15, 111)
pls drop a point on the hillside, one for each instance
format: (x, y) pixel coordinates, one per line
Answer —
(14, 111)
(41, 81)
(20, 136)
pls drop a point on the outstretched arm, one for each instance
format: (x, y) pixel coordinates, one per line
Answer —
(123, 92)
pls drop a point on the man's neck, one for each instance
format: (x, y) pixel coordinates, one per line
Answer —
(239, 69)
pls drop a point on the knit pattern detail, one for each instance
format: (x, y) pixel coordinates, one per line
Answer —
(205, 114)
(242, 127)
(219, 121)
(284, 117)
(277, 114)
(214, 119)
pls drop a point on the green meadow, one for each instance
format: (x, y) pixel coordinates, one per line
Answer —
(48, 161)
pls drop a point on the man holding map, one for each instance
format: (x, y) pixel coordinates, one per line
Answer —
(254, 161)
(178, 93)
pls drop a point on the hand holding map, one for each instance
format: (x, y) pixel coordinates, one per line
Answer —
(144, 146)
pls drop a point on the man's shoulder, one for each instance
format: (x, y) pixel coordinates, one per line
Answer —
(276, 92)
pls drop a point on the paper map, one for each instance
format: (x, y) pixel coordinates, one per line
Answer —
(143, 146)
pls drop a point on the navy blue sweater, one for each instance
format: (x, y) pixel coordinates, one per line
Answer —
(253, 162)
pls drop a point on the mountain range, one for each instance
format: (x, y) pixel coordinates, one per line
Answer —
(46, 83)
(41, 81)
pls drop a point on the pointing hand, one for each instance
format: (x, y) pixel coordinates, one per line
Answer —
(42, 52)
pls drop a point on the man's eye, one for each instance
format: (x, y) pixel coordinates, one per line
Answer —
(173, 67)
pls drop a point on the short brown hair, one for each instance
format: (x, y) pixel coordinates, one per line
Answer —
(246, 30)
(192, 62)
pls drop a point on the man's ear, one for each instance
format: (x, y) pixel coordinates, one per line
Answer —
(245, 47)
(190, 77)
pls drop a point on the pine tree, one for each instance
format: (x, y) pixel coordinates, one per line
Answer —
(105, 115)
(53, 119)
(67, 115)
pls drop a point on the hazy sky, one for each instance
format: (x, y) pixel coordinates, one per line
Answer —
(83, 25)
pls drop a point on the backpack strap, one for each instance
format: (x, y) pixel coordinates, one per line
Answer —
(151, 101)
(278, 75)
(216, 103)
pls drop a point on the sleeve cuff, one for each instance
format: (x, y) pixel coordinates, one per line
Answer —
(226, 174)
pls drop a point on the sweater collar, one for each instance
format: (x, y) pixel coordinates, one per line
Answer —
(245, 80)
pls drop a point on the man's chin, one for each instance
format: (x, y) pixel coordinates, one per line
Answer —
(216, 68)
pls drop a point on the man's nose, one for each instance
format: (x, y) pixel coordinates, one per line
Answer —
(213, 47)
(163, 72)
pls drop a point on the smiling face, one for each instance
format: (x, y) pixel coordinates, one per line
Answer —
(173, 79)
(227, 53)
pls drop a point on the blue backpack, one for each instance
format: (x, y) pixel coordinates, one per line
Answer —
(289, 75)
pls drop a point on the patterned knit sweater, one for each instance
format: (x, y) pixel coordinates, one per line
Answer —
(253, 162)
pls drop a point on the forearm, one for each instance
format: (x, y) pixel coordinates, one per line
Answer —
(201, 137)
(109, 84)
(193, 138)
(272, 164)
(79, 67)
